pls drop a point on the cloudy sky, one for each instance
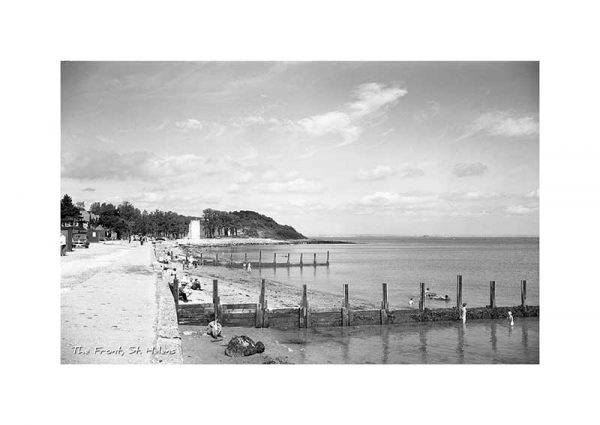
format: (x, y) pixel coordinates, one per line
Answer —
(330, 148)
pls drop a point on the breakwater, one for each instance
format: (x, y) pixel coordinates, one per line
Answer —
(259, 315)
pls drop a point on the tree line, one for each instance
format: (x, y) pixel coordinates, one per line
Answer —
(125, 219)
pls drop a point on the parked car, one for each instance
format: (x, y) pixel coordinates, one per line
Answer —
(80, 240)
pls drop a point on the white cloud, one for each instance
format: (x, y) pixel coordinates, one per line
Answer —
(370, 101)
(503, 124)
(520, 210)
(396, 199)
(469, 170)
(209, 128)
(373, 97)
(253, 120)
(380, 198)
(93, 164)
(533, 194)
(479, 195)
(190, 124)
(378, 173)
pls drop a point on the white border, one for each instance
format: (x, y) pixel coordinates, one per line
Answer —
(37, 35)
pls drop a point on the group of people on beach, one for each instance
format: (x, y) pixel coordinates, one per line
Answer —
(187, 284)
(431, 296)
(463, 309)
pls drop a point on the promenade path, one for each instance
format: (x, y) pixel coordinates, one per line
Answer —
(108, 304)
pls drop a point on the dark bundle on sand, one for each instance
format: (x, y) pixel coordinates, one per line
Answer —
(242, 346)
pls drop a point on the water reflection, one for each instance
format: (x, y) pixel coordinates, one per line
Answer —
(423, 346)
(460, 348)
(433, 343)
(493, 337)
(386, 345)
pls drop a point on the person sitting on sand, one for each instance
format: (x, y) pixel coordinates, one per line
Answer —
(196, 285)
(214, 329)
(182, 295)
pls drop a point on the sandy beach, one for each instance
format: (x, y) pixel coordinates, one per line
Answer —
(240, 286)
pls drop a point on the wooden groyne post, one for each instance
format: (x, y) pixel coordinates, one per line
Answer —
(385, 306)
(492, 294)
(217, 259)
(231, 259)
(262, 320)
(176, 293)
(315, 259)
(304, 313)
(288, 260)
(217, 301)
(301, 263)
(274, 260)
(201, 260)
(459, 292)
(523, 293)
(259, 259)
(245, 257)
(422, 297)
(327, 259)
(346, 307)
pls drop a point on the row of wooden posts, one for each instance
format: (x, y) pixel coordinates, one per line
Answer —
(274, 263)
(262, 306)
(459, 293)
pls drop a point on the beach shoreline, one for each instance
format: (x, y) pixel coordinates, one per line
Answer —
(238, 286)
(226, 242)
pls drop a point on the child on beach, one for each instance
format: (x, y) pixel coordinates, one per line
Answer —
(214, 329)
(464, 313)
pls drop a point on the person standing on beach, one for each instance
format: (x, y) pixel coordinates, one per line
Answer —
(410, 302)
(510, 319)
(464, 313)
(63, 245)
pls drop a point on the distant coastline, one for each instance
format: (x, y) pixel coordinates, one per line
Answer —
(221, 242)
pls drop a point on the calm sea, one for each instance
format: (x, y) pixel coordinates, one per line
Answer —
(403, 262)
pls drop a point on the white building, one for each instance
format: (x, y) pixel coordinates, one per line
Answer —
(195, 229)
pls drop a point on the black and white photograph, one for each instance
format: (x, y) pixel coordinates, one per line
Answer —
(300, 212)
(316, 212)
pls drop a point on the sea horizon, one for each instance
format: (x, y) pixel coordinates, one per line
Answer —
(388, 235)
